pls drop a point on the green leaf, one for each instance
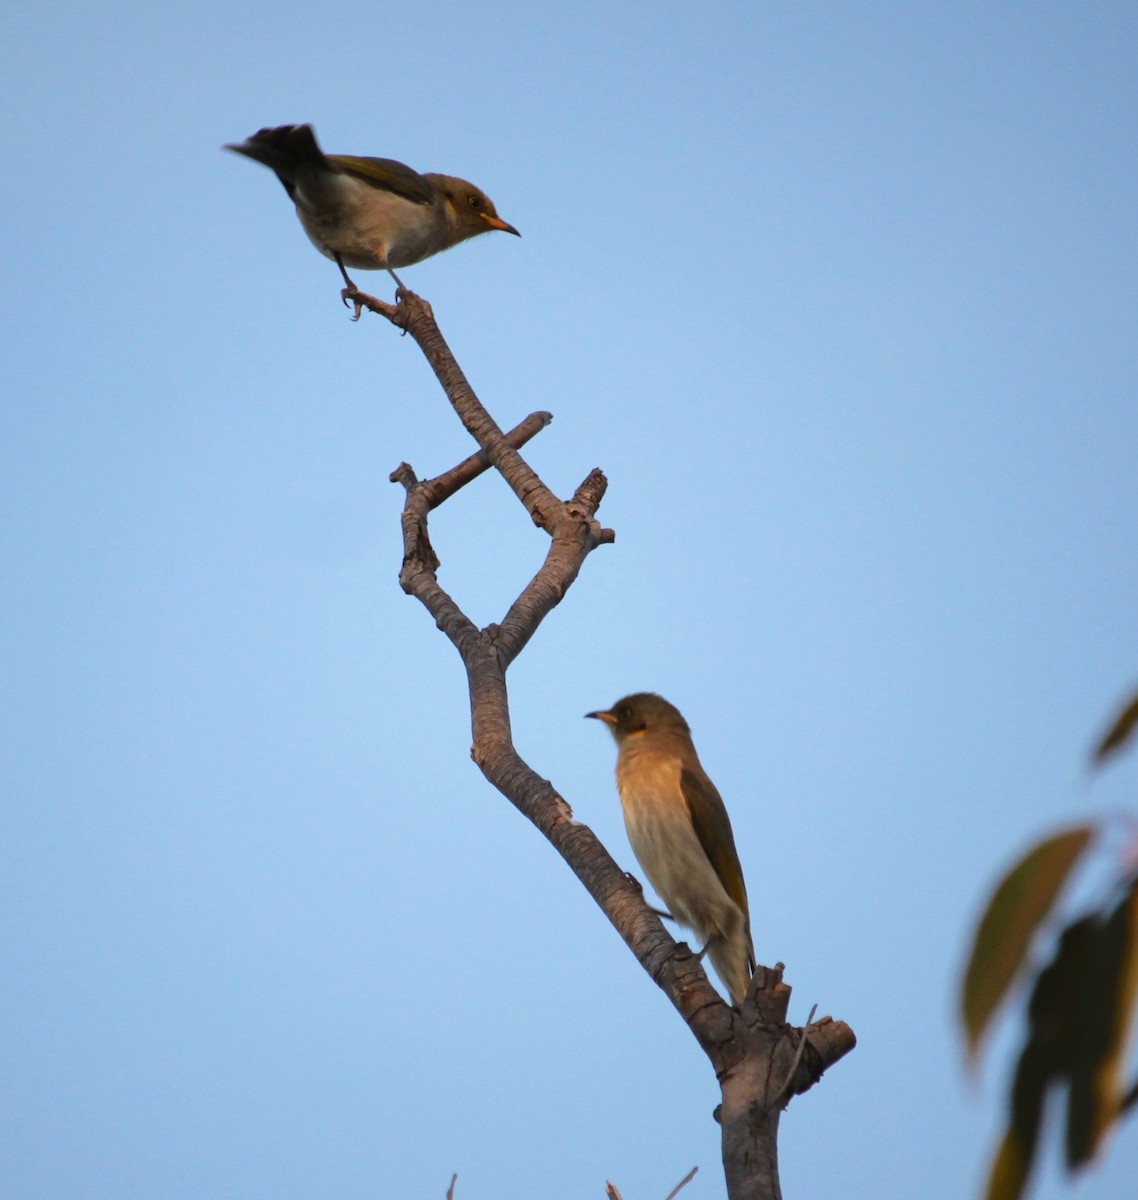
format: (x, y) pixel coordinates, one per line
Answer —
(1044, 1061)
(1107, 1002)
(1119, 733)
(1091, 1024)
(1009, 1170)
(1020, 902)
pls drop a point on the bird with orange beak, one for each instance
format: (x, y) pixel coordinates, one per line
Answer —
(371, 213)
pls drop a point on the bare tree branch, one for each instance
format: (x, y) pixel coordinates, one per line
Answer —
(442, 487)
(756, 1055)
(414, 315)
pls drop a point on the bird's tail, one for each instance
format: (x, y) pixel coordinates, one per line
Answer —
(734, 960)
(283, 149)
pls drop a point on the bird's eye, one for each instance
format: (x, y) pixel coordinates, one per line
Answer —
(474, 201)
(624, 712)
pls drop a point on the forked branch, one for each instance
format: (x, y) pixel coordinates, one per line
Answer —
(759, 1059)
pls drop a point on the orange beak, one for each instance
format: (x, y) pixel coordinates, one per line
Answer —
(498, 223)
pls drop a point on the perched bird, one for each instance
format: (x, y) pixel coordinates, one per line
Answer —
(680, 832)
(372, 213)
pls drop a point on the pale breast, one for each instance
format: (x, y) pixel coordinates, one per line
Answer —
(368, 227)
(665, 843)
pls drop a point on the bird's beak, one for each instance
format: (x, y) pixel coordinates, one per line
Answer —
(498, 223)
(607, 717)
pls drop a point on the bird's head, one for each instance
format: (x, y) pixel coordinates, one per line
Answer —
(469, 211)
(642, 712)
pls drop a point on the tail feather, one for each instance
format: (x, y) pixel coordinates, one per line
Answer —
(282, 149)
(733, 960)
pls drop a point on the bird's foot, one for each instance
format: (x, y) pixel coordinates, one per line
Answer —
(667, 916)
(349, 286)
(350, 296)
(699, 954)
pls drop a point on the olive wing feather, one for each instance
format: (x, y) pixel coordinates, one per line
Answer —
(388, 174)
(713, 828)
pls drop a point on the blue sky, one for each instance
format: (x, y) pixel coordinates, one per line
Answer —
(843, 300)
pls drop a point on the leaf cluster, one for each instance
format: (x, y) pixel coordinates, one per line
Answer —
(1080, 1005)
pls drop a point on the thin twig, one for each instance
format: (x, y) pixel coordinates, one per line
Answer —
(682, 1184)
(797, 1059)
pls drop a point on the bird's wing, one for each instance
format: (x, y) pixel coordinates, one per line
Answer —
(713, 828)
(388, 174)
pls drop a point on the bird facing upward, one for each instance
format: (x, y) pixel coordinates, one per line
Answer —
(372, 213)
(680, 832)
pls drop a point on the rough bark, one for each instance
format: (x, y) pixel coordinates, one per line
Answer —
(759, 1060)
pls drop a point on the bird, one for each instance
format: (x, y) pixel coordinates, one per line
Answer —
(680, 833)
(371, 213)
